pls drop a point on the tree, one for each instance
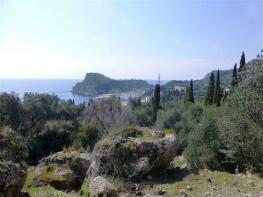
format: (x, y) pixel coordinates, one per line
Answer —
(156, 101)
(210, 90)
(217, 94)
(191, 92)
(242, 62)
(10, 110)
(234, 76)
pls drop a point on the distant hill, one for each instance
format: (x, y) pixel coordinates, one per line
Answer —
(96, 84)
(200, 86)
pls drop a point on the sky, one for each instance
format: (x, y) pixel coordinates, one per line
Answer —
(126, 39)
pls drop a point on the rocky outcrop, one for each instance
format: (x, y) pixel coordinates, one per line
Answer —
(12, 165)
(62, 170)
(132, 157)
(99, 186)
(12, 177)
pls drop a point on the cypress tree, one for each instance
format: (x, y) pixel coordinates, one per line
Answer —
(234, 76)
(191, 92)
(186, 97)
(210, 90)
(217, 94)
(242, 62)
(156, 101)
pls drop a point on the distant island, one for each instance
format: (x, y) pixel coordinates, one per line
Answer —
(96, 84)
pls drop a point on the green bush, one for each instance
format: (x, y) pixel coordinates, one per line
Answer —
(87, 136)
(203, 143)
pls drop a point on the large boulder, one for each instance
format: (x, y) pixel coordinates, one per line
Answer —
(62, 170)
(99, 186)
(132, 157)
(12, 166)
(12, 177)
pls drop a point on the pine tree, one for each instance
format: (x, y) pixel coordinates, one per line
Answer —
(210, 90)
(217, 94)
(191, 93)
(234, 76)
(156, 101)
(242, 62)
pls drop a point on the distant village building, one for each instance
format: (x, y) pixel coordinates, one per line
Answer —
(179, 88)
(227, 89)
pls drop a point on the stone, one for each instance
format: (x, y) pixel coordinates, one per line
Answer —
(102, 187)
(131, 157)
(208, 194)
(12, 163)
(161, 192)
(189, 188)
(12, 178)
(62, 170)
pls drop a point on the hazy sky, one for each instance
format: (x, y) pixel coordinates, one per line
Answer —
(126, 39)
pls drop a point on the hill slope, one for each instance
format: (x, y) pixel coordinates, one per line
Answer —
(199, 85)
(96, 84)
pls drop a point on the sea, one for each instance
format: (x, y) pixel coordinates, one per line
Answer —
(60, 87)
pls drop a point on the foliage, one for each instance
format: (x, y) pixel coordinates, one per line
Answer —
(168, 119)
(127, 132)
(10, 110)
(135, 102)
(87, 136)
(234, 76)
(209, 98)
(191, 92)
(12, 145)
(156, 101)
(107, 114)
(202, 149)
(241, 124)
(54, 136)
(168, 131)
(242, 62)
(217, 93)
(143, 115)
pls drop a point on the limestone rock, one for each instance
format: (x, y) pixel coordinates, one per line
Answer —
(12, 177)
(132, 157)
(12, 165)
(102, 187)
(62, 170)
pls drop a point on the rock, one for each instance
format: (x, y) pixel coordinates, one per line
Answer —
(62, 170)
(161, 192)
(214, 188)
(189, 188)
(207, 194)
(149, 177)
(209, 180)
(12, 178)
(131, 157)
(101, 187)
(12, 166)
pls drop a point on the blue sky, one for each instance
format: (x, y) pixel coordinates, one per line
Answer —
(126, 39)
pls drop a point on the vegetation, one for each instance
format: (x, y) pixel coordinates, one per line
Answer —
(156, 101)
(220, 136)
(191, 92)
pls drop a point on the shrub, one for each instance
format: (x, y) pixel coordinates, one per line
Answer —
(87, 136)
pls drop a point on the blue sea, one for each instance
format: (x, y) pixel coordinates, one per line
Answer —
(60, 87)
